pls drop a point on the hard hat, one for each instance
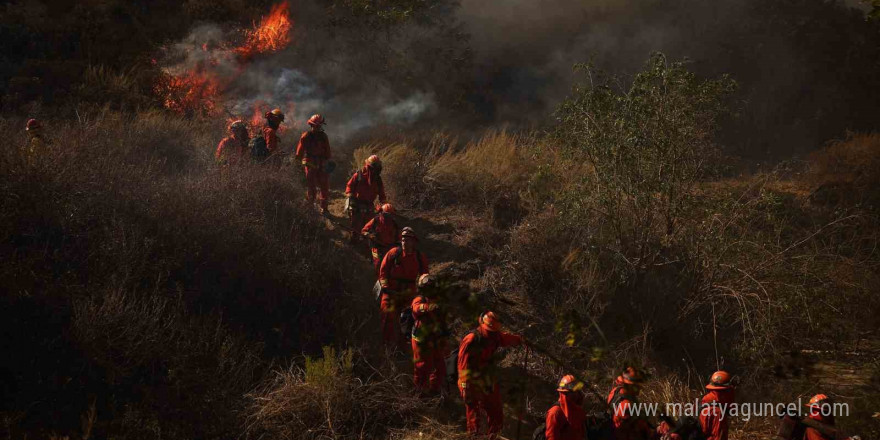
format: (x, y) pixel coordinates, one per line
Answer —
(632, 376)
(388, 209)
(32, 124)
(817, 400)
(424, 280)
(569, 383)
(490, 322)
(237, 125)
(316, 120)
(374, 163)
(720, 381)
(408, 232)
(275, 114)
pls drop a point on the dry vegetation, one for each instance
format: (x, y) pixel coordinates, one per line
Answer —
(150, 293)
(626, 248)
(148, 285)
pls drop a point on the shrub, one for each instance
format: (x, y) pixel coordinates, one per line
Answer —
(847, 171)
(486, 175)
(328, 399)
(405, 169)
(641, 255)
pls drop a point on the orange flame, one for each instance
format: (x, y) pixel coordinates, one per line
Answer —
(273, 33)
(190, 93)
(198, 91)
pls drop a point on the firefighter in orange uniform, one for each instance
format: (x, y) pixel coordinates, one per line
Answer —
(476, 373)
(565, 420)
(821, 412)
(622, 398)
(274, 119)
(714, 423)
(233, 148)
(428, 343)
(313, 151)
(398, 277)
(382, 232)
(362, 189)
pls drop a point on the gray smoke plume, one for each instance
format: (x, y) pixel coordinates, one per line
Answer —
(281, 80)
(808, 69)
(802, 65)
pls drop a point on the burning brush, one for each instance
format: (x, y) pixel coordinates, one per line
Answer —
(196, 88)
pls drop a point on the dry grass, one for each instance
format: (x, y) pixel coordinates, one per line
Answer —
(326, 399)
(139, 273)
(490, 171)
(847, 170)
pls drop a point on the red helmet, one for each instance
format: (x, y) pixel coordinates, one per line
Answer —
(316, 120)
(720, 381)
(372, 160)
(490, 322)
(237, 125)
(569, 383)
(32, 124)
(632, 376)
(275, 114)
(408, 232)
(817, 400)
(388, 209)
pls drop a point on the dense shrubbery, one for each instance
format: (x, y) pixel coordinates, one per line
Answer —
(634, 249)
(646, 244)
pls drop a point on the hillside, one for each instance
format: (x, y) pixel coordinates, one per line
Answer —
(712, 206)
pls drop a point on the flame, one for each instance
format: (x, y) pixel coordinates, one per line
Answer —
(255, 122)
(273, 33)
(199, 90)
(190, 93)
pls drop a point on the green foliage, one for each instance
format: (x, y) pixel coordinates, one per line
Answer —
(647, 145)
(874, 13)
(329, 370)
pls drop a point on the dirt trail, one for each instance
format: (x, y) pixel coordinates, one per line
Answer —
(438, 242)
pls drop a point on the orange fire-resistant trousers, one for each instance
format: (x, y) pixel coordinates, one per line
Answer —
(477, 402)
(317, 179)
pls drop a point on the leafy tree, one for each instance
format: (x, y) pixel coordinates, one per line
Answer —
(647, 145)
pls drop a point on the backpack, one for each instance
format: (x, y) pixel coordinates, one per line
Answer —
(394, 225)
(396, 260)
(358, 177)
(258, 147)
(540, 433)
(377, 288)
(407, 323)
(452, 360)
(688, 428)
(598, 426)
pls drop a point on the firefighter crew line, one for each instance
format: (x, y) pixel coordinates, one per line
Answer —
(404, 295)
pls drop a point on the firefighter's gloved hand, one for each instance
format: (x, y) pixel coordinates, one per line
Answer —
(465, 395)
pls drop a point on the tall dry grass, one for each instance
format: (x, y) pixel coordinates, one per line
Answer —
(488, 174)
(847, 170)
(142, 280)
(327, 399)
